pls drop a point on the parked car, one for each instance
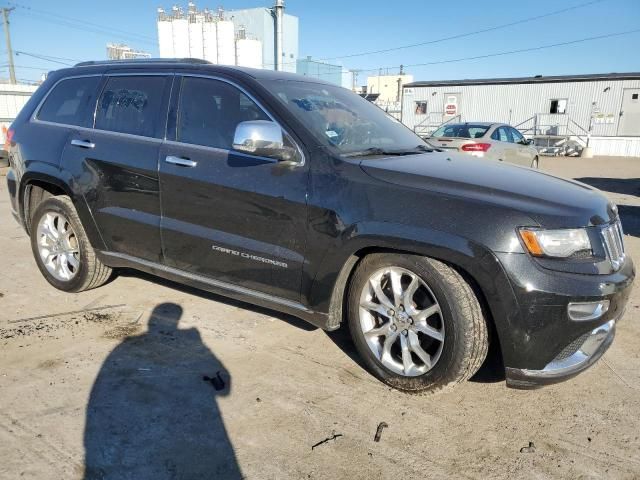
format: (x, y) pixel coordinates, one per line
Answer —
(298, 195)
(493, 141)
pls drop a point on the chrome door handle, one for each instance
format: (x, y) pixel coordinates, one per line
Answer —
(183, 162)
(83, 143)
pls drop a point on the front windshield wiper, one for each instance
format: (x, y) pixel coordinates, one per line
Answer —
(381, 151)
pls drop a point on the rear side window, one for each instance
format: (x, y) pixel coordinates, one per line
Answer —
(132, 105)
(210, 111)
(68, 101)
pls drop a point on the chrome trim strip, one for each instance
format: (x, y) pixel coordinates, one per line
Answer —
(210, 281)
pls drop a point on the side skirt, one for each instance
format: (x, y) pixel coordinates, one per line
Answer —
(237, 292)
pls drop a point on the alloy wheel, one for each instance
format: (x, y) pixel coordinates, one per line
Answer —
(402, 322)
(58, 246)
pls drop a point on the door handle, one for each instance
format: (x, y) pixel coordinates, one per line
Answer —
(183, 162)
(83, 143)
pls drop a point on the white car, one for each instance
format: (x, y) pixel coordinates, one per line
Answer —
(493, 141)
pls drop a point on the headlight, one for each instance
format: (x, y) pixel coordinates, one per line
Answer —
(556, 243)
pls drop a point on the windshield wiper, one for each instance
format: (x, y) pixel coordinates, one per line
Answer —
(379, 151)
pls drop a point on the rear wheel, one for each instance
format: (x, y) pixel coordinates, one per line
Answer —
(61, 248)
(415, 321)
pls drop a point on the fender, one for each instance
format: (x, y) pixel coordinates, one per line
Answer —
(327, 291)
(51, 174)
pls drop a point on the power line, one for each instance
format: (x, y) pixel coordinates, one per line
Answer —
(496, 54)
(468, 34)
(47, 58)
(81, 24)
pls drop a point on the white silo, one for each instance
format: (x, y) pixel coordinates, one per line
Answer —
(248, 53)
(165, 34)
(226, 43)
(210, 40)
(196, 40)
(180, 33)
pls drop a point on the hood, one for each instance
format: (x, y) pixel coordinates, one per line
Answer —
(552, 202)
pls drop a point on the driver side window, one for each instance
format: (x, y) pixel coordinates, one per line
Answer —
(210, 110)
(517, 136)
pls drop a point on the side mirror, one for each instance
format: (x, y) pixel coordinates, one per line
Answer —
(262, 138)
(529, 141)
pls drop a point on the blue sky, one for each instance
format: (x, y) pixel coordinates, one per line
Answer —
(332, 28)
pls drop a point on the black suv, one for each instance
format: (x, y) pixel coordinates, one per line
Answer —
(299, 195)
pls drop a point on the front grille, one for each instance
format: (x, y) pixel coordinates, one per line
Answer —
(613, 244)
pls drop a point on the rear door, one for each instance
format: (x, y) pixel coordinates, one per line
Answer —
(116, 163)
(524, 153)
(230, 216)
(503, 147)
(630, 114)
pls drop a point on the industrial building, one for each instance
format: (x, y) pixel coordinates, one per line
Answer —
(12, 98)
(327, 72)
(245, 38)
(116, 51)
(601, 110)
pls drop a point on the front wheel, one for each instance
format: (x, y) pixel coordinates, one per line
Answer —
(61, 248)
(416, 322)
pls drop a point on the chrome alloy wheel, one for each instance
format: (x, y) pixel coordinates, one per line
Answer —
(58, 246)
(401, 321)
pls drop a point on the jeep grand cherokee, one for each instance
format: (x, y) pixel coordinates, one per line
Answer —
(299, 195)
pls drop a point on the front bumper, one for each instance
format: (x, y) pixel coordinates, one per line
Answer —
(576, 357)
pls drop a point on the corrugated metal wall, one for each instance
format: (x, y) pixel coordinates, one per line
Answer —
(515, 103)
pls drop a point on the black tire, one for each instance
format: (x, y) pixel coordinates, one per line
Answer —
(91, 272)
(466, 342)
(535, 163)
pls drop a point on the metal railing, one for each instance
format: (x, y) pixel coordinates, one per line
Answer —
(423, 129)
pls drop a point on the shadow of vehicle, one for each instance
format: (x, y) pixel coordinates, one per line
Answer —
(151, 415)
(624, 186)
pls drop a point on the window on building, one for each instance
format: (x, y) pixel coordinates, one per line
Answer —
(210, 111)
(69, 100)
(131, 105)
(558, 106)
(634, 96)
(421, 108)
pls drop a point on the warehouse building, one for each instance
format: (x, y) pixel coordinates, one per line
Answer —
(602, 110)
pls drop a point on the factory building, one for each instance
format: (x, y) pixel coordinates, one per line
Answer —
(116, 51)
(325, 71)
(601, 110)
(240, 37)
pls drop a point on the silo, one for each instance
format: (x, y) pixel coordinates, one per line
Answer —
(249, 53)
(226, 43)
(165, 34)
(181, 37)
(196, 40)
(210, 41)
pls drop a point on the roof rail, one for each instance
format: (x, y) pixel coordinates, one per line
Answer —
(136, 61)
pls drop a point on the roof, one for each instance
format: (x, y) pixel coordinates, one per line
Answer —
(537, 79)
(190, 63)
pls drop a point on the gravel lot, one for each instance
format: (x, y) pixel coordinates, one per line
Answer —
(115, 376)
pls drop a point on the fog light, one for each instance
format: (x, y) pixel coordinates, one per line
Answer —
(581, 311)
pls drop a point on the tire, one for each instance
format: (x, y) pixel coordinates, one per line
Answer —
(81, 269)
(457, 340)
(535, 163)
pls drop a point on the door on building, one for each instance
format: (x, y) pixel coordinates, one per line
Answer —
(452, 106)
(629, 124)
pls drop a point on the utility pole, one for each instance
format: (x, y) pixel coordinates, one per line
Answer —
(278, 12)
(7, 36)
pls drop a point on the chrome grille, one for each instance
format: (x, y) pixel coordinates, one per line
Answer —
(613, 244)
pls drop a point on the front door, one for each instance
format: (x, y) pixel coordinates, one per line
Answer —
(234, 217)
(629, 125)
(523, 152)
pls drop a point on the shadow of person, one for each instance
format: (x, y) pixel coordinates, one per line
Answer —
(151, 415)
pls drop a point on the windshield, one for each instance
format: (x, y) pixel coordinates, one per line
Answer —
(461, 131)
(341, 119)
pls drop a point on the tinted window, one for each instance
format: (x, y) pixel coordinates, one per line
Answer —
(131, 105)
(461, 131)
(517, 136)
(68, 101)
(502, 135)
(210, 111)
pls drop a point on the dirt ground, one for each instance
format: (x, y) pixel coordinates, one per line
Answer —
(116, 376)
